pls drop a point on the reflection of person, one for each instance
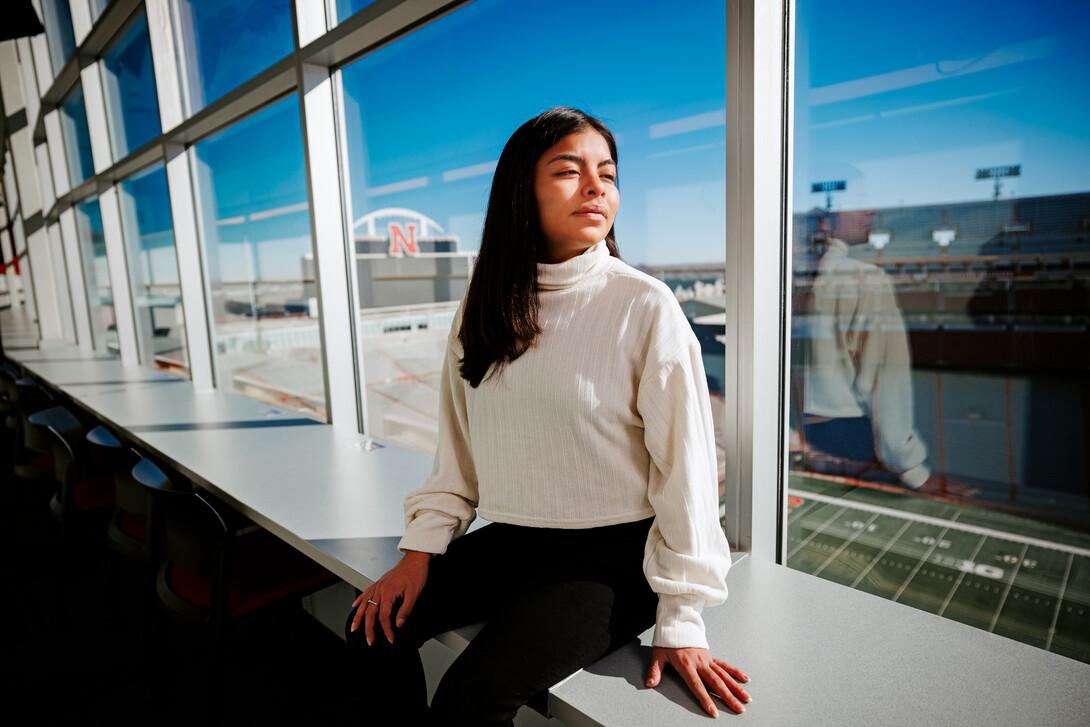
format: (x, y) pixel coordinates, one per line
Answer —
(857, 377)
(574, 416)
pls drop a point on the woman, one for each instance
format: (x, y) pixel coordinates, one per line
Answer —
(574, 416)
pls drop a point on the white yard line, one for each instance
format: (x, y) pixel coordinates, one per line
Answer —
(961, 576)
(816, 532)
(1059, 600)
(1007, 590)
(878, 557)
(845, 544)
(975, 529)
(920, 562)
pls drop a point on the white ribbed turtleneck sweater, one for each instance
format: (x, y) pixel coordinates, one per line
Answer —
(604, 420)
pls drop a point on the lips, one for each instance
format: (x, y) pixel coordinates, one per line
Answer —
(591, 210)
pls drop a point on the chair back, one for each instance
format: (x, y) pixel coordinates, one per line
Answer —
(29, 399)
(65, 438)
(185, 528)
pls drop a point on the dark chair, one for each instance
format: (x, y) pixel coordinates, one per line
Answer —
(33, 452)
(211, 574)
(84, 490)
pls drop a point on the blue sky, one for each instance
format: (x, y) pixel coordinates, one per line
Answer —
(439, 105)
(905, 101)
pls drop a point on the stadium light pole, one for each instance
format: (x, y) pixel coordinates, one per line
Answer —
(999, 174)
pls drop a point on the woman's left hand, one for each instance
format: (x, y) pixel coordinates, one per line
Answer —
(698, 668)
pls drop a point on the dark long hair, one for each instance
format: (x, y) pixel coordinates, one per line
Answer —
(499, 319)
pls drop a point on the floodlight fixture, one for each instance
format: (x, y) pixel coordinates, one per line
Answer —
(879, 239)
(999, 174)
(828, 188)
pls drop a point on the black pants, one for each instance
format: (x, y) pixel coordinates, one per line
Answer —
(554, 601)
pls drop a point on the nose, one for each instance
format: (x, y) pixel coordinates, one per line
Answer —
(595, 186)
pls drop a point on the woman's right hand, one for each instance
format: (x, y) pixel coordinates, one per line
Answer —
(403, 583)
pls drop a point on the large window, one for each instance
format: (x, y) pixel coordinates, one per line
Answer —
(252, 201)
(96, 277)
(57, 17)
(77, 139)
(426, 120)
(128, 85)
(940, 398)
(222, 43)
(153, 269)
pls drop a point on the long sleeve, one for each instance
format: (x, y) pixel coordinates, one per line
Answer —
(687, 557)
(444, 506)
(878, 342)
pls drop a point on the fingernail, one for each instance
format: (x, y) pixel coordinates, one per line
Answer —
(400, 622)
(715, 713)
(352, 627)
(369, 641)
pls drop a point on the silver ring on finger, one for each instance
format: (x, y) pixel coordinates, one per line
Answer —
(370, 601)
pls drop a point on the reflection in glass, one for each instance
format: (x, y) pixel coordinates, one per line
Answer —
(347, 8)
(57, 19)
(77, 138)
(251, 187)
(225, 42)
(153, 269)
(420, 180)
(96, 277)
(128, 84)
(940, 407)
(97, 6)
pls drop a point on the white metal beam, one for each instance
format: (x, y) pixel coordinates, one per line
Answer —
(95, 104)
(119, 276)
(756, 256)
(57, 156)
(331, 246)
(190, 272)
(165, 63)
(63, 298)
(80, 310)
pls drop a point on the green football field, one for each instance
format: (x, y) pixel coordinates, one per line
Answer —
(1003, 573)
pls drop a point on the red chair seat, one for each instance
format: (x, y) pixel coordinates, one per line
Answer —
(264, 570)
(134, 525)
(94, 493)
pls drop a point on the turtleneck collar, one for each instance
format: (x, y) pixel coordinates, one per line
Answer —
(558, 276)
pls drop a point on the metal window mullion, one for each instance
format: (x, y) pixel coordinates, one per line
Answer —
(756, 233)
(81, 19)
(310, 21)
(43, 63)
(54, 138)
(45, 177)
(31, 96)
(81, 310)
(195, 309)
(328, 229)
(119, 277)
(63, 297)
(164, 60)
(95, 104)
(42, 280)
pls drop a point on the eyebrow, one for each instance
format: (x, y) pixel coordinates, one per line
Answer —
(579, 160)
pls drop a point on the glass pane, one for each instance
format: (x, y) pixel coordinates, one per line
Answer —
(77, 139)
(941, 304)
(96, 277)
(223, 43)
(128, 84)
(57, 19)
(153, 269)
(347, 8)
(252, 193)
(420, 181)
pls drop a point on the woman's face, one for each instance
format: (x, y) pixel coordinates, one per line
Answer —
(577, 198)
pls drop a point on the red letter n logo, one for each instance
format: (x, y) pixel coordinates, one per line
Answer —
(398, 239)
